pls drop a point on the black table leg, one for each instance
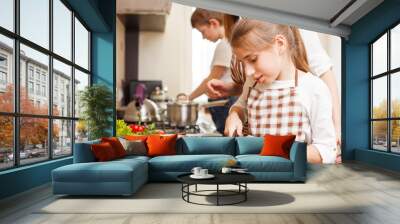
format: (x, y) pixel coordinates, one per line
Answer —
(217, 194)
(196, 188)
(245, 193)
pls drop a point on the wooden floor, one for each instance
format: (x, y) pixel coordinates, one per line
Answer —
(378, 188)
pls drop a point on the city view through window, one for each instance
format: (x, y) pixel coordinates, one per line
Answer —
(385, 82)
(39, 113)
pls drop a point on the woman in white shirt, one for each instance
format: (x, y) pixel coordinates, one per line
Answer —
(282, 98)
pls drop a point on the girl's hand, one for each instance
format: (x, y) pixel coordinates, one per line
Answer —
(233, 125)
(216, 89)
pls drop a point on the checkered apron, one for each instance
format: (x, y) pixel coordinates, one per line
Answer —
(276, 112)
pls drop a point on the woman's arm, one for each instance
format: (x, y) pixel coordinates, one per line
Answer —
(217, 72)
(330, 80)
(218, 89)
(322, 129)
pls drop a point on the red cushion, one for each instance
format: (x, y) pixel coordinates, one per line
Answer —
(159, 145)
(277, 145)
(116, 145)
(103, 151)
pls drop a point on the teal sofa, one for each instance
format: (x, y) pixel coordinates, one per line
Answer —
(125, 176)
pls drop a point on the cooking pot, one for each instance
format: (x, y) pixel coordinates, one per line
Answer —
(147, 112)
(182, 112)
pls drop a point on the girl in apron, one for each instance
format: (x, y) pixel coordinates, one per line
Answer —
(282, 98)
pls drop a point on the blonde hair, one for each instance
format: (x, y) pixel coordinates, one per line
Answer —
(256, 35)
(203, 16)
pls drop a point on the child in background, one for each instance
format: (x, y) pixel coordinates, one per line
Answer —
(210, 25)
(281, 97)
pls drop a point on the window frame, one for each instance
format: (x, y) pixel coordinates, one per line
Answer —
(16, 114)
(388, 74)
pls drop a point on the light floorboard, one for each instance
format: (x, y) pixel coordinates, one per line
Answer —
(354, 182)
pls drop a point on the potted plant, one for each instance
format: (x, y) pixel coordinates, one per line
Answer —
(96, 103)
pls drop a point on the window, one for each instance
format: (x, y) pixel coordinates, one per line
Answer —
(385, 96)
(30, 72)
(38, 89)
(81, 45)
(62, 74)
(3, 61)
(81, 81)
(46, 131)
(30, 88)
(6, 143)
(3, 78)
(37, 74)
(44, 91)
(62, 31)
(6, 72)
(35, 22)
(7, 14)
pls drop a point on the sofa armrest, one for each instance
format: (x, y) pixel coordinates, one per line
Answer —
(298, 155)
(83, 152)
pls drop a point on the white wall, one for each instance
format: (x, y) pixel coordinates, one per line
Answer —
(120, 68)
(167, 56)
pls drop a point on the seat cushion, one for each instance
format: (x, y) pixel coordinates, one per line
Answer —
(185, 163)
(112, 171)
(257, 163)
(206, 145)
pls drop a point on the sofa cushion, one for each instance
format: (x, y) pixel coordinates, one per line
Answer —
(206, 145)
(161, 145)
(83, 152)
(185, 163)
(275, 145)
(257, 163)
(103, 152)
(116, 145)
(112, 171)
(249, 145)
(134, 147)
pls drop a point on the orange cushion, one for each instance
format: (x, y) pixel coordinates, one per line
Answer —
(136, 137)
(277, 145)
(103, 151)
(116, 145)
(159, 145)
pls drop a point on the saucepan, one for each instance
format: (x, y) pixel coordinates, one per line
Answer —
(183, 112)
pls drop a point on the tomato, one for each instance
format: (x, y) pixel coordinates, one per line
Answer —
(161, 132)
(140, 128)
(134, 127)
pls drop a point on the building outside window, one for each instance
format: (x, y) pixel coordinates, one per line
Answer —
(58, 128)
(30, 87)
(385, 95)
(3, 72)
(30, 72)
(43, 90)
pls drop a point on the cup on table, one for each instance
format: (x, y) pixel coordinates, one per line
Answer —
(203, 172)
(226, 170)
(196, 171)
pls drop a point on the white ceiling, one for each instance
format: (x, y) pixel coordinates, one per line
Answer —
(324, 16)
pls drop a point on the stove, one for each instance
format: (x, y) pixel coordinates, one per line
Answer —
(191, 130)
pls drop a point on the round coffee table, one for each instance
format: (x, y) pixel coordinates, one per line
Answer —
(238, 179)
